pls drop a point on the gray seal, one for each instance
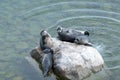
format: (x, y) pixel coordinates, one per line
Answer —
(47, 61)
(74, 36)
(43, 35)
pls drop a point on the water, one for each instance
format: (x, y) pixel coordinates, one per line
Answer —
(22, 20)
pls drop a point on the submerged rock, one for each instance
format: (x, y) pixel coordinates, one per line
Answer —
(71, 61)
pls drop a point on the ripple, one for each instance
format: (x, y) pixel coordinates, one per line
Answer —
(56, 5)
(108, 18)
(78, 17)
(92, 10)
(113, 68)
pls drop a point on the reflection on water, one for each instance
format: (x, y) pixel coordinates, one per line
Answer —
(21, 21)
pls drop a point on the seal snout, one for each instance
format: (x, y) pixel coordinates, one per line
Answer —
(44, 33)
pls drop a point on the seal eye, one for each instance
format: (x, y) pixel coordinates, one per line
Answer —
(77, 39)
(68, 31)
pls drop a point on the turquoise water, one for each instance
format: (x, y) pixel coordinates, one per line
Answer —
(22, 20)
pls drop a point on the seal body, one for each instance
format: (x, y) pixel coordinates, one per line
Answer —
(47, 61)
(74, 36)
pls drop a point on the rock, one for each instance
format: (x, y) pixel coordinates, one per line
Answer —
(71, 61)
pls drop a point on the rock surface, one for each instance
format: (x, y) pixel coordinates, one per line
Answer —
(71, 61)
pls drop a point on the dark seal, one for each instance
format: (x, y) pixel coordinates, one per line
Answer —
(74, 36)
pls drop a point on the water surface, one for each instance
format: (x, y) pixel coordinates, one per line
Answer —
(22, 20)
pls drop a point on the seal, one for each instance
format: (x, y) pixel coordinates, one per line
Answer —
(43, 36)
(83, 40)
(47, 61)
(74, 36)
(65, 34)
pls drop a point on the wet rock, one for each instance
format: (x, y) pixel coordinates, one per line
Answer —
(71, 61)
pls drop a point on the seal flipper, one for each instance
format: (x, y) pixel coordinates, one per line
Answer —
(47, 61)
